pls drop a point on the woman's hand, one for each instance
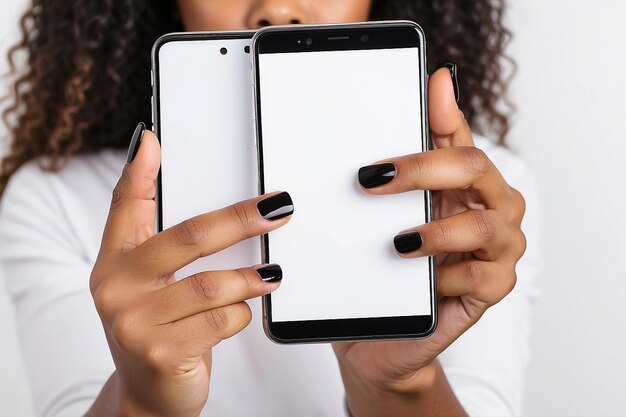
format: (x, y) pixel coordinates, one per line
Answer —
(160, 332)
(477, 240)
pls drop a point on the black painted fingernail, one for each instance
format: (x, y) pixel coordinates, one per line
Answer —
(135, 142)
(407, 242)
(270, 273)
(455, 79)
(376, 175)
(276, 207)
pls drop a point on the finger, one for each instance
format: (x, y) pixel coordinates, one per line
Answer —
(481, 232)
(454, 168)
(132, 213)
(208, 290)
(447, 122)
(209, 233)
(486, 282)
(177, 348)
(195, 335)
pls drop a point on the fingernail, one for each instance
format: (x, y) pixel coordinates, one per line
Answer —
(376, 175)
(455, 79)
(135, 142)
(276, 207)
(270, 273)
(407, 242)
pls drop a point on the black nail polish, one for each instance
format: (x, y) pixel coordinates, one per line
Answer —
(455, 79)
(270, 273)
(376, 175)
(276, 207)
(407, 242)
(135, 142)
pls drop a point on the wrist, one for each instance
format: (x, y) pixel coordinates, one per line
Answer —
(414, 383)
(424, 392)
(411, 384)
(114, 400)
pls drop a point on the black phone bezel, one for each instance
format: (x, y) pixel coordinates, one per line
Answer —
(380, 35)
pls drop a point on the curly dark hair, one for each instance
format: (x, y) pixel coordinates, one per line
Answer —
(87, 81)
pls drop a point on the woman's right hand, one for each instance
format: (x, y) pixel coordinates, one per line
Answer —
(161, 332)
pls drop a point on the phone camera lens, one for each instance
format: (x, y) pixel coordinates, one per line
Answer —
(365, 38)
(308, 41)
(223, 51)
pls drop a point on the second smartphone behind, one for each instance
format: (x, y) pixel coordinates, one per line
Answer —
(202, 115)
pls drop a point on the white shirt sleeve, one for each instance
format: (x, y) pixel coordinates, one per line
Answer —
(486, 366)
(47, 273)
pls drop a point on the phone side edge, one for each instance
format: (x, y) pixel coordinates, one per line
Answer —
(427, 145)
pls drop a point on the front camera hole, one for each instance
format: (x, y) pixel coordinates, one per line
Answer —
(223, 51)
(246, 49)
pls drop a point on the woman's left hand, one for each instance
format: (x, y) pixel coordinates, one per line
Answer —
(477, 239)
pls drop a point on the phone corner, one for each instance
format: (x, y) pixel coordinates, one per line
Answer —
(267, 329)
(260, 33)
(415, 26)
(161, 42)
(435, 322)
(434, 302)
(267, 325)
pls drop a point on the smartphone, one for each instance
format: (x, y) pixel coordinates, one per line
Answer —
(329, 100)
(202, 114)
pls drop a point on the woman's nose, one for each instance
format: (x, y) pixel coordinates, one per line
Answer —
(276, 12)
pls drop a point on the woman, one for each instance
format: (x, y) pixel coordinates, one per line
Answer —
(86, 87)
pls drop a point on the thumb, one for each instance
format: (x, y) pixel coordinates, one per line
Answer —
(447, 122)
(133, 209)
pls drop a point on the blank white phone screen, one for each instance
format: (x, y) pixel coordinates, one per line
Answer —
(208, 155)
(323, 116)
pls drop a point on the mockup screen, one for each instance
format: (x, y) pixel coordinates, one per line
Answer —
(323, 116)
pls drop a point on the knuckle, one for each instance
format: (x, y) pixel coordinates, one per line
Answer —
(519, 204)
(510, 280)
(246, 315)
(190, 232)
(476, 162)
(484, 225)
(104, 297)
(241, 317)
(217, 320)
(521, 243)
(420, 166)
(125, 330)
(245, 217)
(501, 287)
(95, 281)
(442, 231)
(205, 288)
(246, 279)
(155, 355)
(476, 273)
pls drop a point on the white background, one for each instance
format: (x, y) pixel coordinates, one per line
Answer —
(570, 129)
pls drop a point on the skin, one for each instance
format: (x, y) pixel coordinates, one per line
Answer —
(161, 332)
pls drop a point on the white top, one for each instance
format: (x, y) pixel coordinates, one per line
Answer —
(50, 230)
